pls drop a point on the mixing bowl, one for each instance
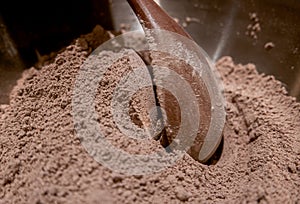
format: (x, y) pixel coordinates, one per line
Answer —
(263, 32)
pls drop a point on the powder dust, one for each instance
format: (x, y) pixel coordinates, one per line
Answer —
(42, 160)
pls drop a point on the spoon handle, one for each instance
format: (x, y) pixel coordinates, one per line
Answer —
(153, 16)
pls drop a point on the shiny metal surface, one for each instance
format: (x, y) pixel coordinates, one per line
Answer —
(219, 27)
(11, 66)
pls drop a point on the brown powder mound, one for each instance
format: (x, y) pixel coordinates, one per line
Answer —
(104, 96)
(42, 161)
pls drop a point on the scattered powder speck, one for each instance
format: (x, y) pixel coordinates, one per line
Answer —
(269, 45)
(254, 28)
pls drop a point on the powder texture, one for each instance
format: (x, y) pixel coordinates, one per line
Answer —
(42, 160)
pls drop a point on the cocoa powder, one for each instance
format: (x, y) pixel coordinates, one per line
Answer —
(42, 160)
